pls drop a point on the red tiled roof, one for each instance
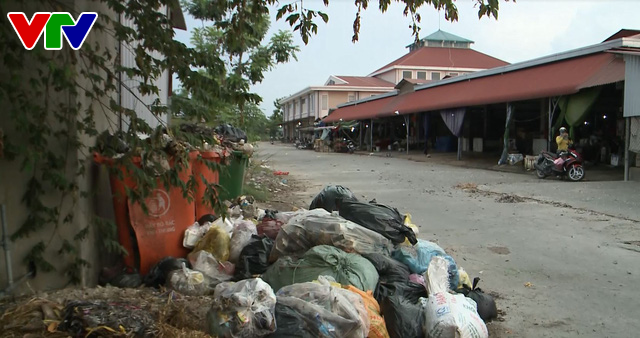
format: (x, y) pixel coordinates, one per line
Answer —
(446, 57)
(546, 80)
(623, 33)
(363, 81)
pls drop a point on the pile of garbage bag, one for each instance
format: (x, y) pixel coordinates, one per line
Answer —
(342, 269)
(319, 227)
(330, 196)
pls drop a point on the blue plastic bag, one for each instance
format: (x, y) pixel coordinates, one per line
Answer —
(417, 258)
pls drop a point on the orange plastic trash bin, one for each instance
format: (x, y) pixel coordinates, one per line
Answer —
(200, 170)
(150, 237)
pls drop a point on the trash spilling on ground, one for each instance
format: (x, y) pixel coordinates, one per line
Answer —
(343, 268)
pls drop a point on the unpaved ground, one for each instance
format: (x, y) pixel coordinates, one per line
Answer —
(563, 264)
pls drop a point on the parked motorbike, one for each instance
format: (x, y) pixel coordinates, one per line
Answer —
(351, 148)
(569, 165)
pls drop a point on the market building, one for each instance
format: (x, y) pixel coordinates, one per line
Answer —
(589, 90)
(437, 56)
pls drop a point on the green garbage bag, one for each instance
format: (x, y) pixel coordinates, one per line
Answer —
(323, 260)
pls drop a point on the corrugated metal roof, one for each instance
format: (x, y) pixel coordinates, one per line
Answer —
(546, 80)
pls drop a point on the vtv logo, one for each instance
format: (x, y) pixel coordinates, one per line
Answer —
(53, 25)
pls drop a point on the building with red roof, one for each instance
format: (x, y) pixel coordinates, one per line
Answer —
(435, 57)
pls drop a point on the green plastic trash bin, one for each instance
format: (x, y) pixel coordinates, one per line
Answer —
(232, 176)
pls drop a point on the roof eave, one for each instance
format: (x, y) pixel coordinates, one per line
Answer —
(177, 16)
(601, 47)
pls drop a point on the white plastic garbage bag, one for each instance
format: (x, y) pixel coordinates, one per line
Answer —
(241, 236)
(242, 309)
(447, 315)
(193, 234)
(206, 263)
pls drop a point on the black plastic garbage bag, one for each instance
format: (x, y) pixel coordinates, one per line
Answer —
(158, 274)
(409, 290)
(129, 278)
(403, 317)
(103, 318)
(487, 308)
(380, 218)
(231, 133)
(206, 219)
(327, 199)
(389, 269)
(254, 257)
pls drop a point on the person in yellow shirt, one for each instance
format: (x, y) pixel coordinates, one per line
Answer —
(563, 141)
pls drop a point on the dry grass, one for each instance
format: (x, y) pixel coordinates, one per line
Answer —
(175, 315)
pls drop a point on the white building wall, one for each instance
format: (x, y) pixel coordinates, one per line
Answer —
(130, 95)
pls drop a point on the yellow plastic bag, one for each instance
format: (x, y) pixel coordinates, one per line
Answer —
(378, 327)
(464, 279)
(407, 222)
(216, 242)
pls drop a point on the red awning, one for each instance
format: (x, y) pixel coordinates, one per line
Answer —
(547, 80)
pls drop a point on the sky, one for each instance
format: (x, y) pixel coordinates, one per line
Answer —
(525, 30)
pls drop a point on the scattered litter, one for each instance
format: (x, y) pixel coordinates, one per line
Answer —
(280, 173)
(506, 198)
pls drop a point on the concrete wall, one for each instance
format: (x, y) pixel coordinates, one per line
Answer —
(336, 98)
(389, 76)
(131, 97)
(13, 181)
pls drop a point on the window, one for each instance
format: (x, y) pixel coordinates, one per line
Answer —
(453, 74)
(331, 83)
(325, 102)
(311, 103)
(406, 74)
(422, 75)
(435, 76)
(351, 98)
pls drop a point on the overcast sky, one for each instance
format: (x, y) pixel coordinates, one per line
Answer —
(524, 30)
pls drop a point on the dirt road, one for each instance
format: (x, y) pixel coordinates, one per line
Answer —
(559, 271)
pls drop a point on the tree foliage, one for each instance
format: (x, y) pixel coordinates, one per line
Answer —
(50, 130)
